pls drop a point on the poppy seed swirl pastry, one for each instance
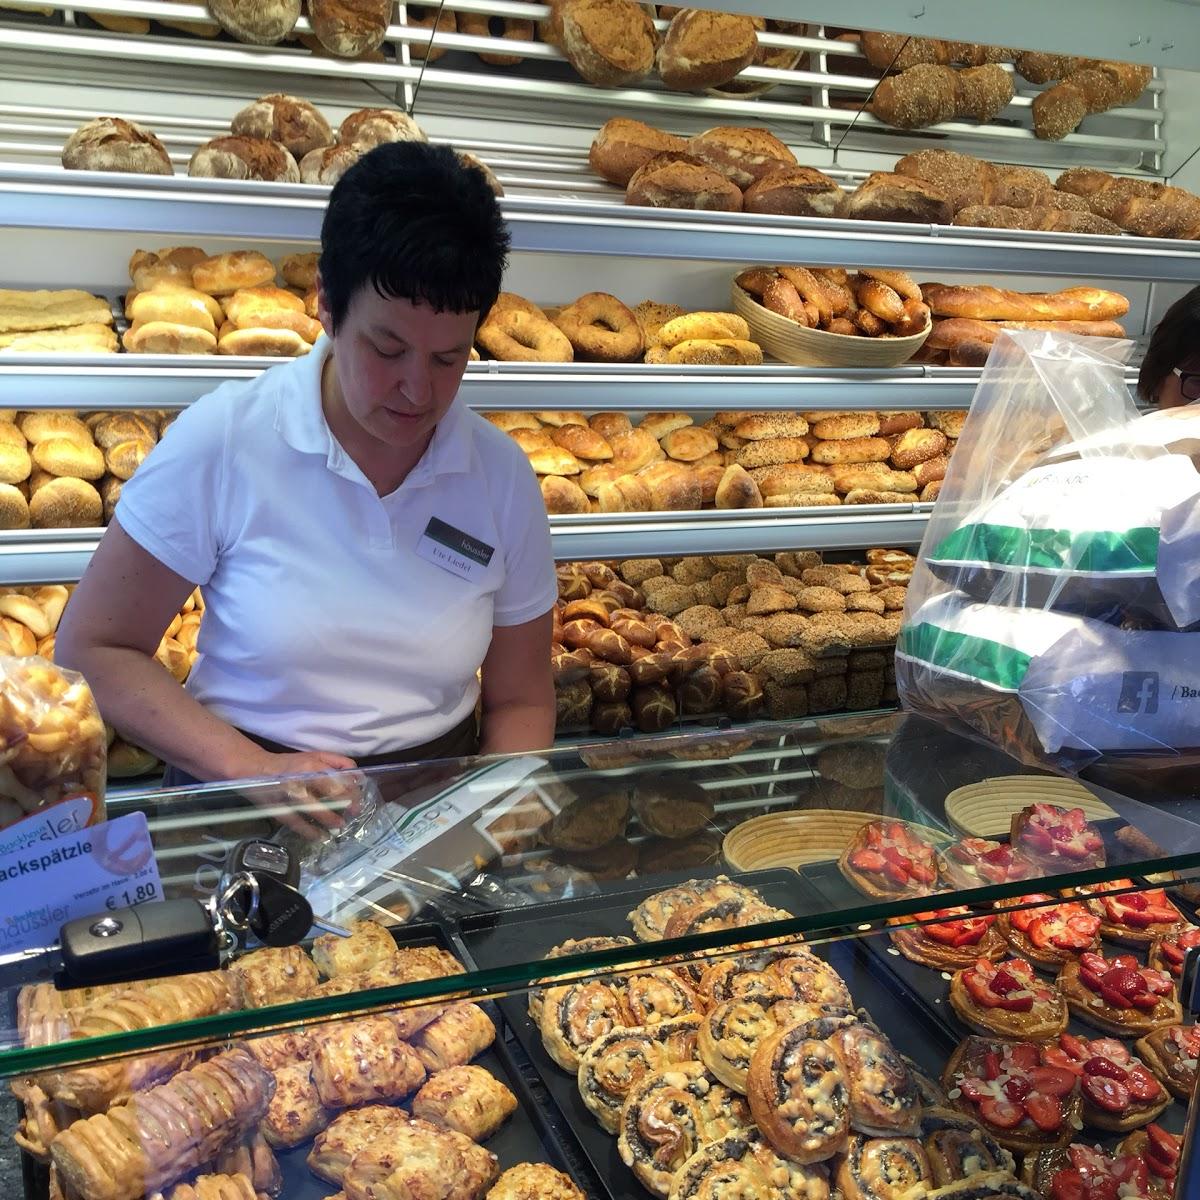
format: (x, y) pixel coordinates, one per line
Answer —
(586, 945)
(742, 1166)
(574, 1015)
(958, 1148)
(884, 1099)
(649, 919)
(799, 1096)
(881, 1168)
(616, 1061)
(668, 1116)
(730, 1033)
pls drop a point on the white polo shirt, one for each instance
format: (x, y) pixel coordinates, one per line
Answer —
(330, 624)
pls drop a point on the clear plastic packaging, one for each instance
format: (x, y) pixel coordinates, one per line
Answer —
(1055, 610)
(53, 745)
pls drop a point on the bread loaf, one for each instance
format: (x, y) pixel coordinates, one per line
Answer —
(1047, 218)
(223, 274)
(91, 338)
(258, 22)
(370, 127)
(885, 197)
(972, 181)
(293, 123)
(1093, 88)
(927, 95)
(328, 164)
(682, 181)
(794, 192)
(113, 144)
(706, 49)
(350, 28)
(25, 311)
(743, 155)
(952, 331)
(244, 158)
(609, 42)
(775, 58)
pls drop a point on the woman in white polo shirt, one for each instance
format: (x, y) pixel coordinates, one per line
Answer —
(365, 542)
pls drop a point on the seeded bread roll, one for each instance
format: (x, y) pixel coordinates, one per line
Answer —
(622, 146)
(706, 49)
(258, 22)
(244, 158)
(794, 192)
(14, 508)
(793, 479)
(295, 124)
(852, 450)
(371, 127)
(66, 456)
(682, 181)
(918, 446)
(742, 155)
(350, 28)
(609, 42)
(769, 452)
(113, 144)
(66, 503)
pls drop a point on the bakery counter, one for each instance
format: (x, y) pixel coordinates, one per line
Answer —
(101, 202)
(613, 963)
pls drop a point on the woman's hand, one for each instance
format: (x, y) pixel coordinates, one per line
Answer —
(311, 792)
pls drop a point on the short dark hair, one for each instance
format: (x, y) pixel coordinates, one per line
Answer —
(415, 222)
(1176, 338)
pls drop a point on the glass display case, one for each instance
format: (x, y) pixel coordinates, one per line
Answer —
(854, 956)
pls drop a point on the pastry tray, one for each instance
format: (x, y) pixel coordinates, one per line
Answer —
(518, 935)
(525, 1137)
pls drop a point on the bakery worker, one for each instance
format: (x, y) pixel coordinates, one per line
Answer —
(1170, 372)
(365, 542)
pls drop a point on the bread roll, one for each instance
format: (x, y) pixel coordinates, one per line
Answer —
(371, 127)
(563, 495)
(738, 490)
(258, 22)
(742, 155)
(350, 28)
(608, 42)
(689, 444)
(706, 49)
(223, 274)
(125, 457)
(23, 311)
(244, 158)
(260, 342)
(165, 337)
(172, 264)
(78, 339)
(177, 306)
(66, 504)
(67, 456)
(673, 488)
(113, 144)
(15, 463)
(110, 495)
(37, 426)
(626, 493)
(115, 428)
(300, 270)
(293, 123)
(622, 146)
(14, 508)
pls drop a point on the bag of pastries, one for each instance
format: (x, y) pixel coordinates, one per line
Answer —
(53, 744)
(1055, 609)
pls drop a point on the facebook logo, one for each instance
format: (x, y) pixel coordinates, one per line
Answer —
(1139, 692)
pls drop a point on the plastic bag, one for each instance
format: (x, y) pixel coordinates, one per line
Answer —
(53, 745)
(1055, 609)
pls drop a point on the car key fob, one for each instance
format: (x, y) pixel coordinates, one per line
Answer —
(259, 857)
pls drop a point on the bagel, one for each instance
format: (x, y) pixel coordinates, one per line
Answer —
(601, 329)
(511, 302)
(706, 325)
(439, 20)
(514, 336)
(513, 29)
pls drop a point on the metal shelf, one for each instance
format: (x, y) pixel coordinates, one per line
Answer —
(119, 381)
(102, 202)
(33, 556)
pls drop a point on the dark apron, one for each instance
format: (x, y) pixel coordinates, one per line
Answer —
(460, 742)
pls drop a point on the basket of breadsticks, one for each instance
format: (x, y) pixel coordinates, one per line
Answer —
(53, 744)
(831, 317)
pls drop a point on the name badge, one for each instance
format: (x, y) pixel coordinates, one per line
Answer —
(454, 551)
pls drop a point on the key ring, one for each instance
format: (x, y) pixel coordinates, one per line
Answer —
(231, 892)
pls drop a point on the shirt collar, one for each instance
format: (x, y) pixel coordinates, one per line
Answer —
(300, 421)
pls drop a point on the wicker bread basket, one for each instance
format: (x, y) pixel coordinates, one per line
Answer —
(792, 343)
(986, 809)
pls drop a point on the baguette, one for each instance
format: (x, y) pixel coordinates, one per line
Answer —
(999, 304)
(953, 331)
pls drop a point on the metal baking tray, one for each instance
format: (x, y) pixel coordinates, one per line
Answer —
(525, 1137)
(499, 939)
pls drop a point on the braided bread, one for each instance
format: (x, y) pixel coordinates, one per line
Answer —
(928, 95)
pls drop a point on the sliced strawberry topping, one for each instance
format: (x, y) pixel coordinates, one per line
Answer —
(1046, 1112)
(1142, 1086)
(991, 1065)
(1162, 1152)
(1023, 1055)
(1055, 1056)
(1108, 1094)
(867, 860)
(1008, 986)
(975, 1090)
(1054, 832)
(1105, 1067)
(1111, 1048)
(1001, 1113)
(1052, 1081)
(896, 854)
(968, 932)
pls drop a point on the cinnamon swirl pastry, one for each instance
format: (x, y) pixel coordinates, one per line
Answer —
(958, 1148)
(574, 1015)
(798, 1095)
(658, 996)
(585, 945)
(730, 1033)
(884, 1100)
(741, 1166)
(619, 1059)
(668, 1116)
(881, 1168)
(649, 919)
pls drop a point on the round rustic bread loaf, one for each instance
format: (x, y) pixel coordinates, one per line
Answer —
(328, 164)
(114, 144)
(681, 181)
(244, 158)
(371, 127)
(705, 49)
(258, 22)
(609, 42)
(293, 123)
(350, 28)
(623, 145)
